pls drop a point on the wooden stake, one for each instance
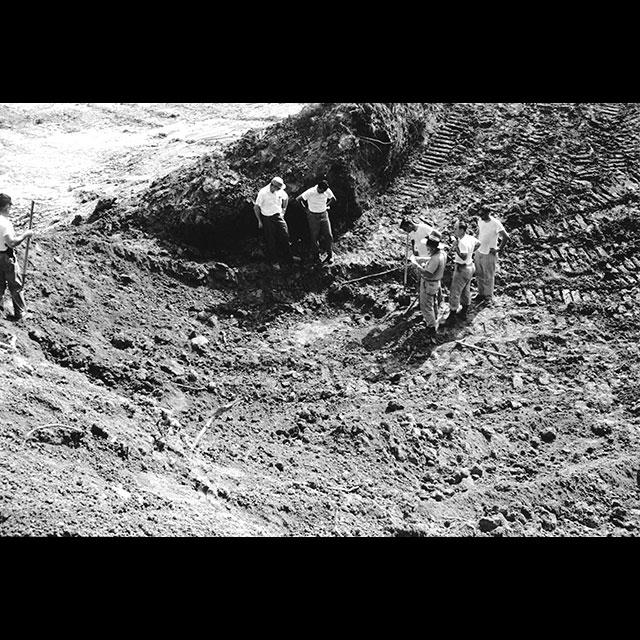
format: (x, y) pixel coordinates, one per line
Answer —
(26, 251)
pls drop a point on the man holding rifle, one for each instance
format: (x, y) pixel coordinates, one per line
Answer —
(9, 275)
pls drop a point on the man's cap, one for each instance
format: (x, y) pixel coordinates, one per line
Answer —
(436, 236)
(481, 208)
(278, 181)
(4, 200)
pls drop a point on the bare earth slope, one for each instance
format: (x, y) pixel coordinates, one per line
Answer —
(319, 410)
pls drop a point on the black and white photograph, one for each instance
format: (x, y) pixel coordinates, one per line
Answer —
(320, 319)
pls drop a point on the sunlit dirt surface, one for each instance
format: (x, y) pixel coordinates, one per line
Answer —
(64, 156)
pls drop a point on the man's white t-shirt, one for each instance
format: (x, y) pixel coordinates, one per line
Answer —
(466, 244)
(488, 234)
(6, 229)
(271, 203)
(419, 237)
(317, 201)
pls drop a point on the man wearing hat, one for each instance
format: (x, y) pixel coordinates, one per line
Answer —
(9, 275)
(431, 270)
(418, 234)
(490, 229)
(269, 208)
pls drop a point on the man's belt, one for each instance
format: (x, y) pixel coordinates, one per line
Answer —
(318, 213)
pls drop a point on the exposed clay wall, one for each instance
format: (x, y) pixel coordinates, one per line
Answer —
(360, 147)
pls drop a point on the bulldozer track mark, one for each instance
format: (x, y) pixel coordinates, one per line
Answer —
(414, 186)
(605, 158)
(576, 182)
(552, 296)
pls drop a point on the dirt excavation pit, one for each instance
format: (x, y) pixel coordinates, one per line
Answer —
(162, 387)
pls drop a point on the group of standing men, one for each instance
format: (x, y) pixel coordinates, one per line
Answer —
(471, 256)
(270, 208)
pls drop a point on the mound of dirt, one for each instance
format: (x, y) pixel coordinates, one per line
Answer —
(358, 147)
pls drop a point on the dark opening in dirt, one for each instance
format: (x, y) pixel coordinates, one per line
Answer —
(358, 147)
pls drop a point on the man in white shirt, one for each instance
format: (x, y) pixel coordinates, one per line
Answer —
(486, 258)
(270, 208)
(317, 201)
(418, 234)
(9, 275)
(464, 246)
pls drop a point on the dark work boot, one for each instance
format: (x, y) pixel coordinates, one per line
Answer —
(451, 320)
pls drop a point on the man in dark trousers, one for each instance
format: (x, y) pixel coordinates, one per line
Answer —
(317, 201)
(270, 208)
(9, 275)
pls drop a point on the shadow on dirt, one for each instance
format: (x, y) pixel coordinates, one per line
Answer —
(407, 336)
(265, 295)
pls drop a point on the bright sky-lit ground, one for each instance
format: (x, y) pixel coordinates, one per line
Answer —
(65, 155)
